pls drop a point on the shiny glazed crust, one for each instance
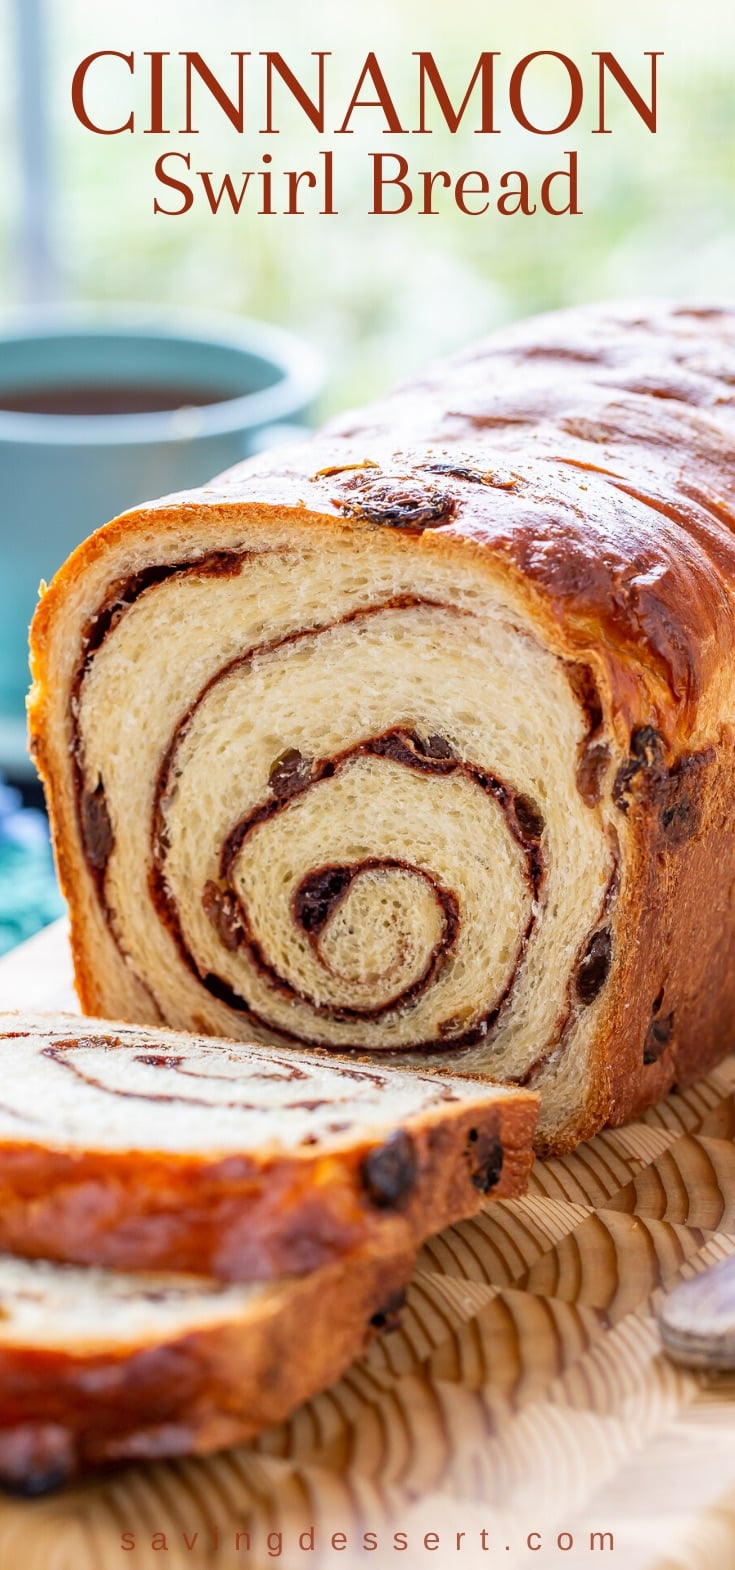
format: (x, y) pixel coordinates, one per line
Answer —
(67, 1408)
(579, 468)
(270, 1209)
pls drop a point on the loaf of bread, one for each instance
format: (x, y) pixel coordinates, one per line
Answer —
(98, 1367)
(151, 1150)
(417, 740)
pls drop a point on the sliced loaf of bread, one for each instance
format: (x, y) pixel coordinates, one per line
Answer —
(99, 1367)
(141, 1149)
(419, 737)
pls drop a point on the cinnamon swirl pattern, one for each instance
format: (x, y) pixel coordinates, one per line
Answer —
(152, 1150)
(420, 744)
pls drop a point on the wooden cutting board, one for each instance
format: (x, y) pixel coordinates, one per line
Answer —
(525, 1397)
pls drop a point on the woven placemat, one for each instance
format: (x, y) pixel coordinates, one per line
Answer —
(525, 1396)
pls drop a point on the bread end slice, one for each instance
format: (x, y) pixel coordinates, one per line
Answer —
(98, 1368)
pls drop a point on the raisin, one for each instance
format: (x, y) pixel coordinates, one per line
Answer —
(530, 821)
(38, 1459)
(36, 1484)
(487, 1153)
(646, 745)
(591, 773)
(289, 774)
(389, 1171)
(438, 747)
(223, 912)
(388, 1317)
(585, 689)
(646, 754)
(594, 966)
(497, 478)
(158, 1060)
(97, 830)
(657, 1039)
(416, 752)
(396, 503)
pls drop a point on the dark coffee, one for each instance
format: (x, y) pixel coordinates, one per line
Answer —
(107, 398)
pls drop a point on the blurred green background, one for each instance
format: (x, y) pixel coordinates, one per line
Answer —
(377, 296)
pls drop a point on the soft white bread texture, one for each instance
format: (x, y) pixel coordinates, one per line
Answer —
(98, 1367)
(418, 740)
(149, 1149)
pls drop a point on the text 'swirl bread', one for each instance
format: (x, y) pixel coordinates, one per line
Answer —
(419, 740)
(98, 1367)
(151, 1150)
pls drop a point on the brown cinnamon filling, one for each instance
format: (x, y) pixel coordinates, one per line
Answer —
(594, 755)
(291, 775)
(575, 1000)
(314, 901)
(58, 1052)
(95, 825)
(318, 896)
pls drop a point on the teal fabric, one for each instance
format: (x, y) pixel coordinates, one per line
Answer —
(29, 895)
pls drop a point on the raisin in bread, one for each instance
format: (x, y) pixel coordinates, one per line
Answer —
(149, 1150)
(419, 740)
(99, 1367)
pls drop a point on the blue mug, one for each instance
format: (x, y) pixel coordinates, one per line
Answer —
(176, 399)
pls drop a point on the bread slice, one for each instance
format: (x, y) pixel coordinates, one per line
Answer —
(150, 1150)
(419, 739)
(99, 1367)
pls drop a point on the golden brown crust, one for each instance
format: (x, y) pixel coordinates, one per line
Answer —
(62, 1413)
(679, 972)
(585, 459)
(568, 433)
